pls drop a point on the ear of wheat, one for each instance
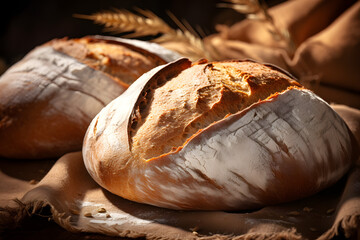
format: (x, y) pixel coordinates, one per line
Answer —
(146, 23)
(258, 10)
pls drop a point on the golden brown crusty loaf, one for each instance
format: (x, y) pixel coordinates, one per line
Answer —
(48, 99)
(194, 99)
(124, 62)
(221, 135)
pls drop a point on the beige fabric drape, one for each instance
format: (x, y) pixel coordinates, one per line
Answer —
(326, 52)
(80, 205)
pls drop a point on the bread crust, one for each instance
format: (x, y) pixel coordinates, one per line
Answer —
(48, 99)
(123, 61)
(285, 146)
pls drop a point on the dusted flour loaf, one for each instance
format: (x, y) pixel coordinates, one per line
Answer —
(48, 99)
(225, 135)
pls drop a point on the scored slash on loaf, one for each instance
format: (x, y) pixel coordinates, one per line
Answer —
(226, 135)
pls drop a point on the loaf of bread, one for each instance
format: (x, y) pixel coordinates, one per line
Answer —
(227, 135)
(48, 99)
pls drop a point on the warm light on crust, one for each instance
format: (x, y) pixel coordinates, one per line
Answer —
(48, 99)
(284, 147)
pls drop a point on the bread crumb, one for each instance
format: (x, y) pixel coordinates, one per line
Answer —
(88, 215)
(101, 210)
(307, 209)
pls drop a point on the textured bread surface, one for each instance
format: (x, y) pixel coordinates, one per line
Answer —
(48, 99)
(122, 61)
(225, 135)
(173, 111)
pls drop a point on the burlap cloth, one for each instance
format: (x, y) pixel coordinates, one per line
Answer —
(326, 35)
(325, 51)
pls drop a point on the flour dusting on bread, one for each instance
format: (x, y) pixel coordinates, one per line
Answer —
(227, 135)
(196, 98)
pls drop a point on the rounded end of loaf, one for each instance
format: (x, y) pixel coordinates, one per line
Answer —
(48, 99)
(229, 135)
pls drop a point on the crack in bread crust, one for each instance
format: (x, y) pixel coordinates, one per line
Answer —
(260, 155)
(172, 109)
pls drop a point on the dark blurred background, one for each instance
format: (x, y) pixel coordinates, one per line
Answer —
(26, 24)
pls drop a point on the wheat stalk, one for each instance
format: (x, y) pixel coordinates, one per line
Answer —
(146, 23)
(120, 21)
(258, 10)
